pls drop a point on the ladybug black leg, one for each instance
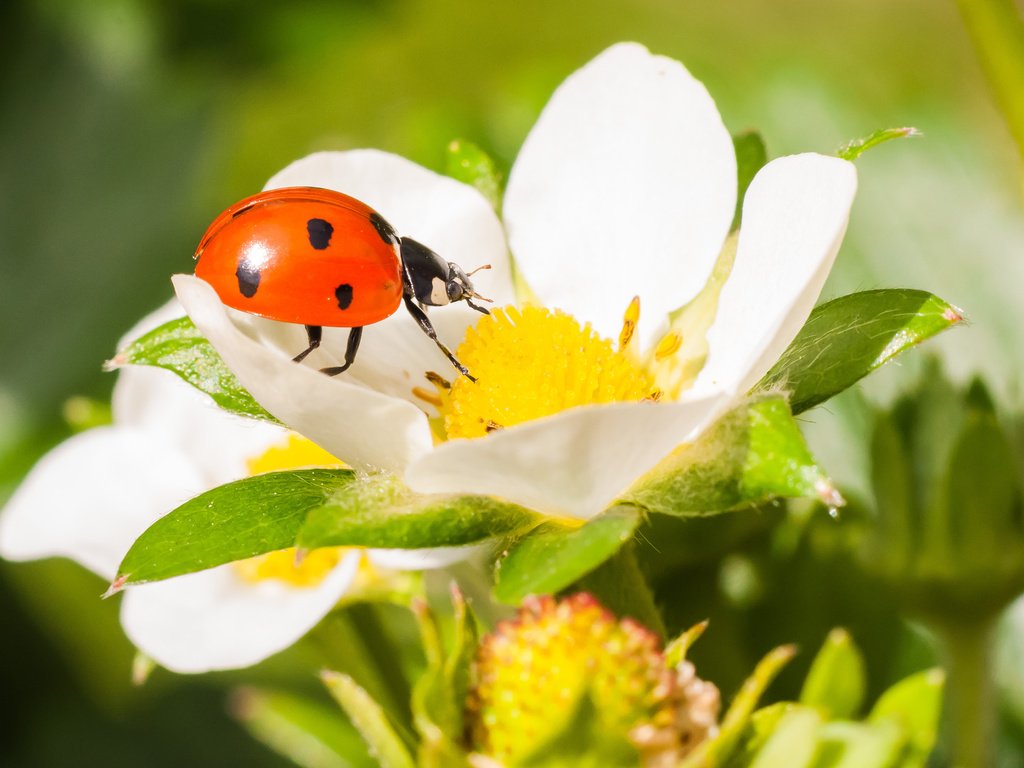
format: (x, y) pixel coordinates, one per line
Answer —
(354, 337)
(314, 333)
(428, 328)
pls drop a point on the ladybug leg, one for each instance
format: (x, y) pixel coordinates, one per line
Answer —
(428, 328)
(314, 333)
(354, 337)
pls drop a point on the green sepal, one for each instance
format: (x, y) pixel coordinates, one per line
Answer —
(370, 719)
(380, 511)
(467, 163)
(232, 522)
(751, 156)
(676, 650)
(846, 339)
(306, 732)
(581, 740)
(754, 453)
(554, 554)
(177, 346)
(858, 745)
(717, 751)
(854, 149)
(439, 696)
(793, 742)
(915, 705)
(835, 684)
(269, 512)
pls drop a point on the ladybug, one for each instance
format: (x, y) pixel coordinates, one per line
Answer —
(321, 258)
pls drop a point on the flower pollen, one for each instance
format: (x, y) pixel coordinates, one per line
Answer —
(531, 362)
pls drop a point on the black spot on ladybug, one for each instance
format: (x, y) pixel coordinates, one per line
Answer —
(386, 231)
(320, 232)
(248, 279)
(344, 295)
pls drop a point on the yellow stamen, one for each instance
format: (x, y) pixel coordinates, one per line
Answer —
(669, 344)
(532, 362)
(629, 321)
(285, 565)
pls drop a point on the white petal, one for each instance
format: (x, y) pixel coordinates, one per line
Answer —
(452, 218)
(423, 559)
(626, 185)
(218, 443)
(366, 429)
(216, 620)
(794, 217)
(90, 497)
(574, 463)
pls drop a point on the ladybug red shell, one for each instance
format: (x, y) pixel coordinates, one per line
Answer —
(321, 258)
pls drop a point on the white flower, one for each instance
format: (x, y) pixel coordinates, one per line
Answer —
(626, 186)
(94, 494)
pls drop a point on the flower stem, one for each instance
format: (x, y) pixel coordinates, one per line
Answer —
(997, 31)
(620, 587)
(970, 704)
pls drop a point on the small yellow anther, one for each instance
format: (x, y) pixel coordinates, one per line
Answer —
(629, 321)
(668, 345)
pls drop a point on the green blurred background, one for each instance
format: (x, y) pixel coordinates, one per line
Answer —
(128, 124)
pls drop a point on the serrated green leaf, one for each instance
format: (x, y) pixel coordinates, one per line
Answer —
(836, 682)
(177, 346)
(754, 453)
(718, 750)
(849, 337)
(232, 522)
(308, 733)
(370, 720)
(271, 511)
(751, 155)
(854, 149)
(915, 705)
(380, 511)
(467, 163)
(554, 555)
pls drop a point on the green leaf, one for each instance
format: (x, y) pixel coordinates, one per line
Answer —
(379, 511)
(554, 555)
(309, 508)
(241, 519)
(849, 337)
(754, 453)
(738, 717)
(469, 164)
(309, 734)
(178, 347)
(915, 705)
(854, 149)
(751, 155)
(836, 682)
(370, 720)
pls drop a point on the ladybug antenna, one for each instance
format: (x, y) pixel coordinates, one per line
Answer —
(482, 310)
(470, 274)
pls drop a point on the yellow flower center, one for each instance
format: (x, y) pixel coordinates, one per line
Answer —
(285, 565)
(531, 362)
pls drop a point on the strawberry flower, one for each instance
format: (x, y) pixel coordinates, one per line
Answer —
(626, 187)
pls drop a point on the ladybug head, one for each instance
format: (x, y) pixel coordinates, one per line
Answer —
(434, 281)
